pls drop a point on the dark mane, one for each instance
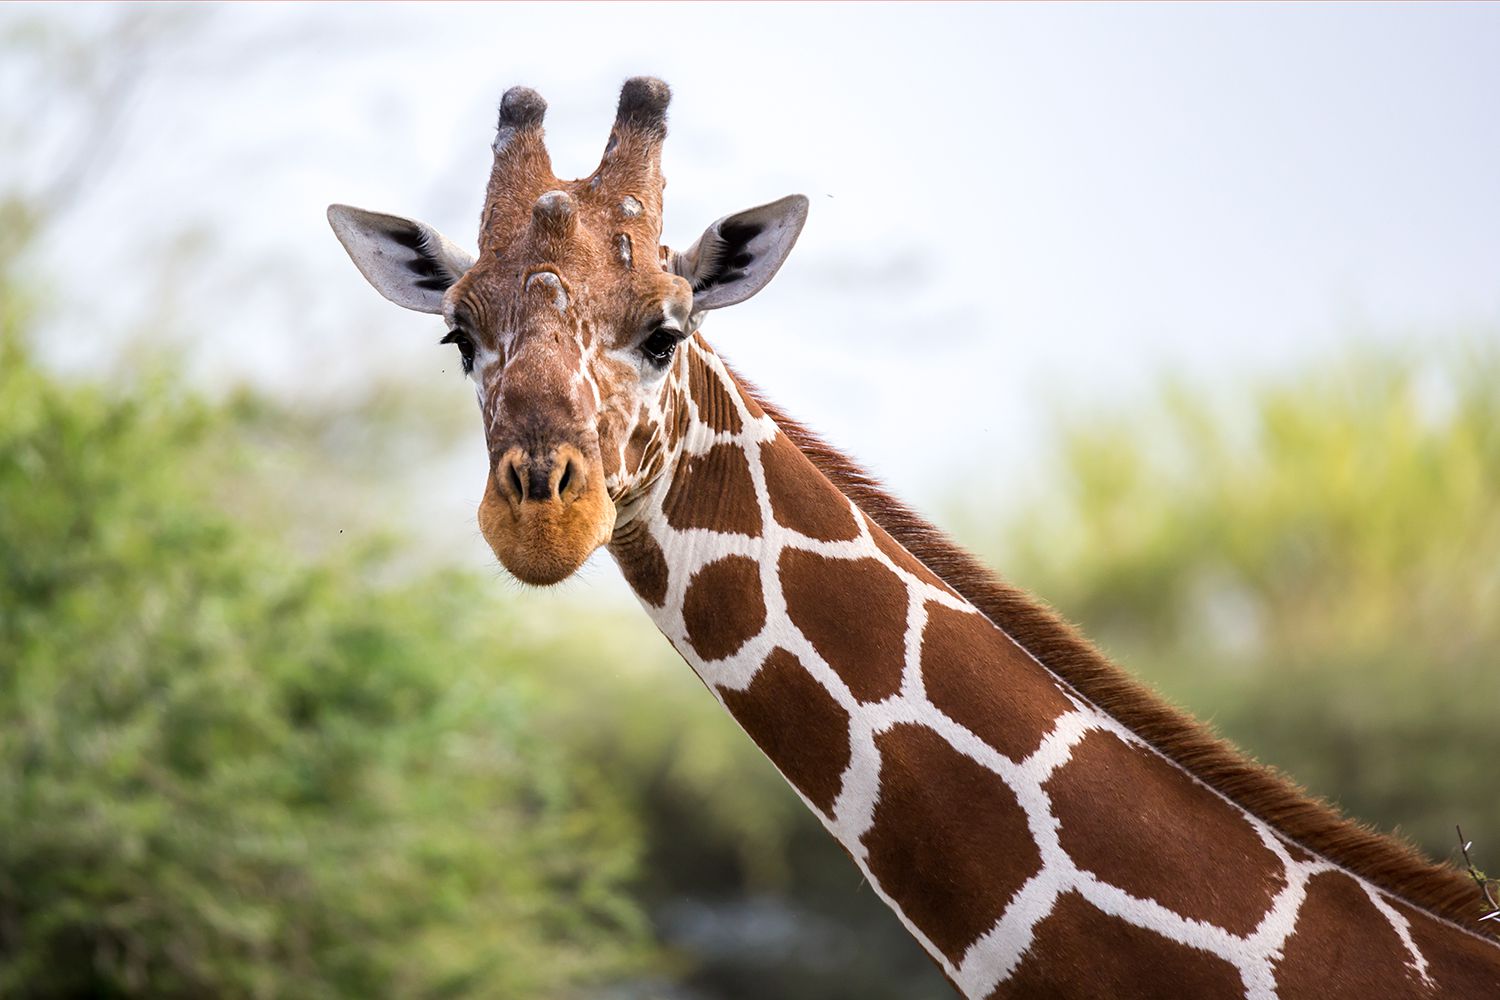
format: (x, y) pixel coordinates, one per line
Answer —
(1387, 862)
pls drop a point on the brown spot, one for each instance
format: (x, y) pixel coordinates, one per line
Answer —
(653, 467)
(983, 681)
(798, 725)
(714, 490)
(1080, 951)
(801, 498)
(676, 414)
(949, 842)
(1140, 823)
(1344, 946)
(853, 611)
(644, 566)
(902, 558)
(1461, 964)
(723, 607)
(635, 448)
(715, 403)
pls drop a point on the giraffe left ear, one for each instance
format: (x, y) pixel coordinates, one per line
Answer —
(736, 256)
(407, 261)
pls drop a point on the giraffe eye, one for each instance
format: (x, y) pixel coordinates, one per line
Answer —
(465, 348)
(659, 346)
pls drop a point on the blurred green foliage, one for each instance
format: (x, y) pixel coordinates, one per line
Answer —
(1311, 562)
(228, 771)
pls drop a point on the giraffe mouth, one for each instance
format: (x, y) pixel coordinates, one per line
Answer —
(543, 542)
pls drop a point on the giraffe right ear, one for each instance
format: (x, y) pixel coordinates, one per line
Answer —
(736, 256)
(407, 261)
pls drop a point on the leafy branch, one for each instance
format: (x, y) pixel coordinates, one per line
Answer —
(1484, 882)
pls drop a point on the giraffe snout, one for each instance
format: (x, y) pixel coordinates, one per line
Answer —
(558, 474)
(545, 511)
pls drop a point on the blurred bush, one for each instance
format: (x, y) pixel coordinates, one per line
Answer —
(226, 770)
(1311, 562)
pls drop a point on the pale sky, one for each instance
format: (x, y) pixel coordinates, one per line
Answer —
(1011, 205)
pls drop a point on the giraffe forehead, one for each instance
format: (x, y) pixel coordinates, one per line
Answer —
(605, 290)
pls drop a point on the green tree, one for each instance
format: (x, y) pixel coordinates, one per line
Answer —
(227, 769)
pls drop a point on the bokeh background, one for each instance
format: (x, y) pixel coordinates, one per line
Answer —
(1186, 318)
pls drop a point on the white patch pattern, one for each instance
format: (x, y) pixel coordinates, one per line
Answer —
(997, 953)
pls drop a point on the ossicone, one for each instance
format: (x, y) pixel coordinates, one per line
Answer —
(522, 107)
(643, 105)
(521, 112)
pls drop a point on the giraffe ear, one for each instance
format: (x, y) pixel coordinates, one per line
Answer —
(407, 261)
(736, 256)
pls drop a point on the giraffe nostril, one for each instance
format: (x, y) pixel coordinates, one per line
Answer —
(510, 478)
(572, 478)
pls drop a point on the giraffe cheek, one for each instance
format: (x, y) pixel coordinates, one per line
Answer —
(545, 542)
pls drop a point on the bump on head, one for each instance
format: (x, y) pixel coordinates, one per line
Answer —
(554, 205)
(553, 284)
(553, 215)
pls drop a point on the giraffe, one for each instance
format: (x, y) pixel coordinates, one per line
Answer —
(1041, 823)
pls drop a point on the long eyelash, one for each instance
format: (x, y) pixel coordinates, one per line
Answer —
(465, 358)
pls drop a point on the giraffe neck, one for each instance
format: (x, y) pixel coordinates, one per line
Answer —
(1032, 843)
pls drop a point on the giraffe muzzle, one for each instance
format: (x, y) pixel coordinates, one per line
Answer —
(545, 511)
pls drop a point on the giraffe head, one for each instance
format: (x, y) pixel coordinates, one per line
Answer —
(569, 319)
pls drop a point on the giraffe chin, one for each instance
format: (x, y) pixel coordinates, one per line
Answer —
(542, 543)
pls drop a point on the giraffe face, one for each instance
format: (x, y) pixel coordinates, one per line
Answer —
(570, 343)
(568, 321)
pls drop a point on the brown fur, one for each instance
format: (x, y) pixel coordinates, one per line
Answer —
(804, 503)
(810, 747)
(642, 562)
(1161, 856)
(1466, 962)
(1079, 951)
(713, 490)
(716, 627)
(853, 611)
(1390, 863)
(542, 543)
(1347, 948)
(961, 655)
(942, 872)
